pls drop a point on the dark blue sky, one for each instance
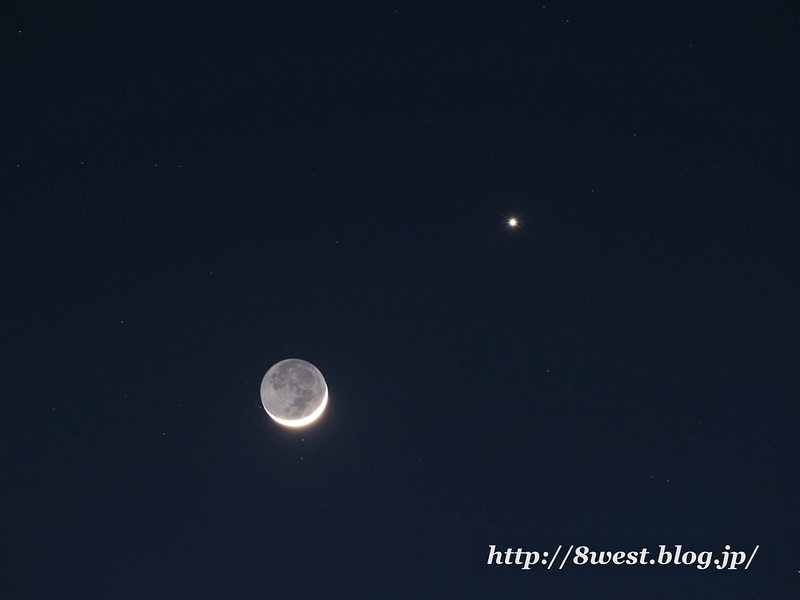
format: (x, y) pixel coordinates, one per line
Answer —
(190, 194)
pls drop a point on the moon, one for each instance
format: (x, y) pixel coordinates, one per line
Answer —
(294, 392)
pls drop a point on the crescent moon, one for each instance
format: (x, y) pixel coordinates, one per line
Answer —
(294, 393)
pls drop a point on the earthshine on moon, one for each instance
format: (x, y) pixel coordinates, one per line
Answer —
(294, 392)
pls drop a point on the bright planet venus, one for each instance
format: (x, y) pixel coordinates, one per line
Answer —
(294, 392)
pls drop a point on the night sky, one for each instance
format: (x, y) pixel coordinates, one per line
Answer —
(190, 193)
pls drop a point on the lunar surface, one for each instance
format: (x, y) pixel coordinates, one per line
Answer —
(294, 392)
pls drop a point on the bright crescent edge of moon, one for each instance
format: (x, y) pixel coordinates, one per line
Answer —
(305, 420)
